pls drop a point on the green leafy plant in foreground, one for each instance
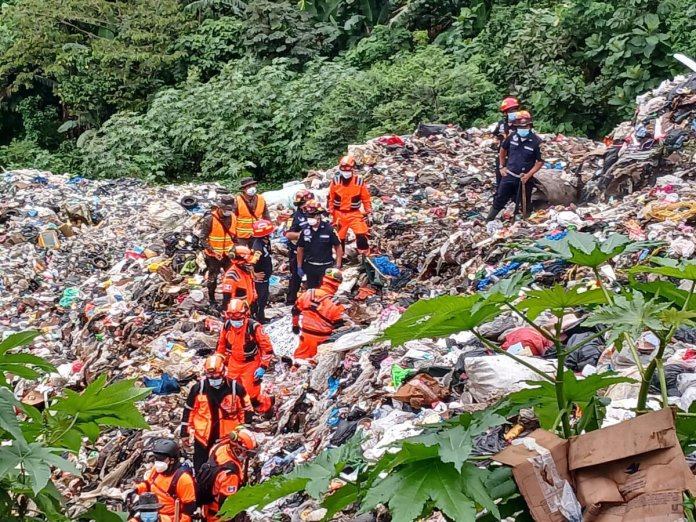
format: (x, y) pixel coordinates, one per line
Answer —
(34, 443)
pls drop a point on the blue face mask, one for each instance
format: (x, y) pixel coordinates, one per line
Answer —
(236, 324)
(523, 133)
(215, 383)
(150, 516)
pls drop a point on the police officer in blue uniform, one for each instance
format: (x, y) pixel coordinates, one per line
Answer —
(299, 223)
(520, 159)
(509, 106)
(316, 247)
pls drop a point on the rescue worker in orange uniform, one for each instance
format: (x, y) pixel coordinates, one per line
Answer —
(169, 480)
(147, 510)
(218, 230)
(226, 470)
(248, 352)
(347, 194)
(316, 314)
(214, 408)
(250, 207)
(238, 281)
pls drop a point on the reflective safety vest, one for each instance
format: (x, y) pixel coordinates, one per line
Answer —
(246, 215)
(220, 239)
(349, 197)
(318, 312)
(239, 283)
(230, 414)
(170, 487)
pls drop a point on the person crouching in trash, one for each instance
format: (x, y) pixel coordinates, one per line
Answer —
(316, 314)
(238, 281)
(147, 509)
(170, 480)
(520, 159)
(225, 472)
(214, 408)
(247, 351)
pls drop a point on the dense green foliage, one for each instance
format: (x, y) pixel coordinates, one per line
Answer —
(172, 89)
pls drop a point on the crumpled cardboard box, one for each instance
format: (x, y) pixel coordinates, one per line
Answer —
(630, 472)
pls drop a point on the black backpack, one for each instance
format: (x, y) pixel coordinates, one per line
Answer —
(205, 479)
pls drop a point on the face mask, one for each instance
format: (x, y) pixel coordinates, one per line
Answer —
(215, 383)
(251, 191)
(160, 466)
(347, 175)
(523, 133)
(149, 517)
(237, 324)
(227, 213)
(312, 222)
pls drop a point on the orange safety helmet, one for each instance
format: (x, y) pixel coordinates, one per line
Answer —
(313, 207)
(243, 438)
(214, 365)
(262, 228)
(347, 164)
(522, 119)
(333, 277)
(302, 197)
(237, 309)
(509, 103)
(241, 254)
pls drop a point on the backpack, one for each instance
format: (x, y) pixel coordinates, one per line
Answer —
(205, 479)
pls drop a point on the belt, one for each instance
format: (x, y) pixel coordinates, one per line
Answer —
(515, 175)
(327, 263)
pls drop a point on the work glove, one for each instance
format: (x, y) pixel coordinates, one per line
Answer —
(300, 272)
(296, 330)
(259, 373)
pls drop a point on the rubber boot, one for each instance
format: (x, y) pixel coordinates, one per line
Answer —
(492, 214)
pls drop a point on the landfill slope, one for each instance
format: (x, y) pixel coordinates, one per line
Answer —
(118, 286)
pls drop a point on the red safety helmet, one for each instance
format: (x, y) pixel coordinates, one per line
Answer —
(522, 119)
(302, 197)
(333, 277)
(237, 309)
(241, 254)
(214, 365)
(313, 208)
(509, 103)
(347, 164)
(262, 228)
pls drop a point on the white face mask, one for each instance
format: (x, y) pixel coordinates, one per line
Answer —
(347, 175)
(227, 213)
(312, 222)
(160, 466)
(215, 383)
(237, 323)
(251, 191)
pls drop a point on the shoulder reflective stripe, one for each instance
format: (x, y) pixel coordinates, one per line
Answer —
(359, 180)
(529, 148)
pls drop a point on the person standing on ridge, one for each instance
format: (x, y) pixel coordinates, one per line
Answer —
(218, 230)
(299, 223)
(509, 106)
(347, 194)
(520, 159)
(214, 408)
(318, 241)
(250, 207)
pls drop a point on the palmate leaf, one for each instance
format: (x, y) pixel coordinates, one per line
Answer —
(36, 460)
(629, 316)
(409, 489)
(22, 365)
(542, 397)
(664, 291)
(508, 289)
(340, 500)
(454, 444)
(668, 267)
(8, 417)
(559, 298)
(440, 317)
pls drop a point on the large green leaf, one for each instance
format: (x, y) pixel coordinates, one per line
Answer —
(36, 461)
(629, 316)
(542, 397)
(685, 269)
(558, 298)
(100, 513)
(8, 417)
(411, 488)
(340, 500)
(440, 317)
(22, 365)
(507, 290)
(18, 339)
(454, 444)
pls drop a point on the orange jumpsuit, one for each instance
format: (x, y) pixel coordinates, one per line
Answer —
(317, 314)
(345, 200)
(245, 350)
(168, 488)
(237, 283)
(228, 480)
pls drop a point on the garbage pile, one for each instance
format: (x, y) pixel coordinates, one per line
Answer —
(111, 273)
